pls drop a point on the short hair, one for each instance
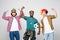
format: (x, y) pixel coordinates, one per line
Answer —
(44, 10)
(31, 11)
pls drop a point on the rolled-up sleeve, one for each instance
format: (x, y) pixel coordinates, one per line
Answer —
(52, 16)
(4, 16)
(26, 17)
(36, 21)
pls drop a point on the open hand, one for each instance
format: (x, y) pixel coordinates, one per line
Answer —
(21, 8)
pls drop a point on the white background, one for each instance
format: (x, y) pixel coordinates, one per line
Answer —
(35, 5)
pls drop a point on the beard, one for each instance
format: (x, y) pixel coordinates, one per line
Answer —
(13, 15)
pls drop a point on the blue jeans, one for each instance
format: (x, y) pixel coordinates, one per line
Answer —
(14, 34)
(49, 36)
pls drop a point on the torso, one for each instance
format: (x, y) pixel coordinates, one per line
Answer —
(14, 26)
(47, 28)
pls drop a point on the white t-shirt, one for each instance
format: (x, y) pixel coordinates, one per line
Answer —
(14, 26)
(47, 28)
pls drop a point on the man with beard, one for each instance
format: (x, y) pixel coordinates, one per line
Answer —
(13, 25)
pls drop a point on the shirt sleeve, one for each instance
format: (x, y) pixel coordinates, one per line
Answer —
(52, 16)
(4, 16)
(36, 21)
(25, 17)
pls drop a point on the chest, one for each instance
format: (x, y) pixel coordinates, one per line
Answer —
(30, 21)
(45, 20)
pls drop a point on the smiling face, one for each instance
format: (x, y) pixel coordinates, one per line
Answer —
(44, 12)
(13, 12)
(31, 13)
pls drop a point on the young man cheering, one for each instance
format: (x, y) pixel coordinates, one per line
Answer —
(47, 26)
(13, 25)
(30, 30)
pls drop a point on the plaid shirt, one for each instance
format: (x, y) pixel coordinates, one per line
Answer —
(10, 19)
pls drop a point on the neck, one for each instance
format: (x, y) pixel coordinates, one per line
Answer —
(45, 15)
(31, 16)
(13, 16)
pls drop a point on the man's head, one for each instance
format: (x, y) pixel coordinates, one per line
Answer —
(13, 12)
(31, 13)
(44, 12)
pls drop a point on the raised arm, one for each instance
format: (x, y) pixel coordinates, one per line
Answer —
(4, 15)
(55, 15)
(21, 12)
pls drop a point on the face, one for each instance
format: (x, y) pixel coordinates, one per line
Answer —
(31, 13)
(44, 13)
(13, 14)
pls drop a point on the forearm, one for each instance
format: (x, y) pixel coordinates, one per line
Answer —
(55, 14)
(22, 14)
(39, 27)
(4, 15)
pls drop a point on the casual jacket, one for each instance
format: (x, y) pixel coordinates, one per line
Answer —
(10, 19)
(50, 17)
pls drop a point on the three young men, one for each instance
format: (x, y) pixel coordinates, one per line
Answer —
(14, 25)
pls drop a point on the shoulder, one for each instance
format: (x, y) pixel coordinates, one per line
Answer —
(35, 19)
(27, 17)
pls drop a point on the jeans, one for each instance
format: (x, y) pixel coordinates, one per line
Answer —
(14, 34)
(49, 36)
(30, 34)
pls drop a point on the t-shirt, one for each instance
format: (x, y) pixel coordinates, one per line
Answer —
(47, 28)
(30, 23)
(14, 26)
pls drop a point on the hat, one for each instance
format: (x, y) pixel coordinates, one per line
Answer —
(43, 10)
(13, 10)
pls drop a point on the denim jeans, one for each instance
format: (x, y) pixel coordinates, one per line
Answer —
(49, 36)
(14, 34)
